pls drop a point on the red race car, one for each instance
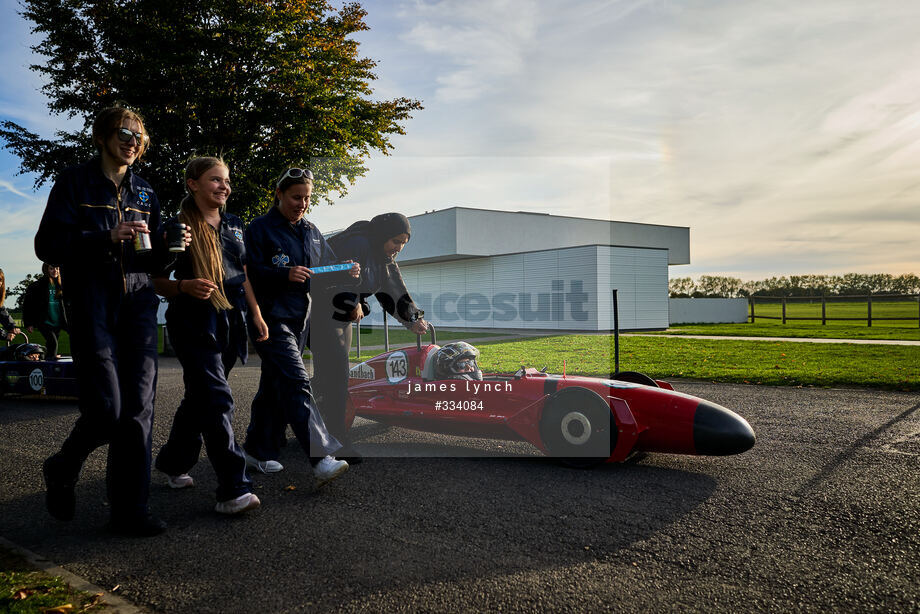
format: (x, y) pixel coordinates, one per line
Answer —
(582, 420)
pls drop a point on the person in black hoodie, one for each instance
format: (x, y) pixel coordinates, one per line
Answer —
(374, 245)
(42, 308)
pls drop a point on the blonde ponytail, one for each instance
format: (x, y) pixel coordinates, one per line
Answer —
(207, 261)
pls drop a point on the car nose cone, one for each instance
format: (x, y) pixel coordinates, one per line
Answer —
(718, 431)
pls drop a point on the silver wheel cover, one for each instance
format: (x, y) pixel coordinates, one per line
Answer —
(576, 416)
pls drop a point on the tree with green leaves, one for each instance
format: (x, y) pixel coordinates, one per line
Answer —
(19, 290)
(262, 83)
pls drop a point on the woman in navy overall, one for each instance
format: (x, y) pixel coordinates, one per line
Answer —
(95, 212)
(281, 246)
(206, 320)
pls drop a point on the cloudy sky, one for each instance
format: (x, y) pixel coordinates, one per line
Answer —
(786, 135)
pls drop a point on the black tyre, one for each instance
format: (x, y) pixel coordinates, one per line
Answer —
(578, 428)
(634, 377)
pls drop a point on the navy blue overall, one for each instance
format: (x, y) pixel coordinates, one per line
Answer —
(207, 343)
(330, 342)
(273, 246)
(112, 309)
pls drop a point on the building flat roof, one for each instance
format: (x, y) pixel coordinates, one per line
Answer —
(464, 232)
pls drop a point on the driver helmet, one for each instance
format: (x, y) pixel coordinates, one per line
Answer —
(457, 361)
(29, 351)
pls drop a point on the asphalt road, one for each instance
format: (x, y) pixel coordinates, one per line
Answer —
(822, 515)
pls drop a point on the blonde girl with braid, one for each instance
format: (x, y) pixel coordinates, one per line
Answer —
(211, 305)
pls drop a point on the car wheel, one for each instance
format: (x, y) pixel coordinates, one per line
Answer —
(634, 377)
(577, 427)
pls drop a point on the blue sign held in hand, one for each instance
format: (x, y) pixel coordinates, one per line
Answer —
(332, 267)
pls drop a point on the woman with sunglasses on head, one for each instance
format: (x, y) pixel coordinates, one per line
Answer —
(374, 245)
(206, 320)
(281, 246)
(99, 224)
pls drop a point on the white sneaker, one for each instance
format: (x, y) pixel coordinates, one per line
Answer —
(329, 469)
(239, 505)
(269, 466)
(183, 480)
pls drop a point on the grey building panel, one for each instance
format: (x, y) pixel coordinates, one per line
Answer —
(507, 283)
(477, 308)
(434, 235)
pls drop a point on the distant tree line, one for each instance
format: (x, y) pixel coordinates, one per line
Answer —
(19, 290)
(717, 286)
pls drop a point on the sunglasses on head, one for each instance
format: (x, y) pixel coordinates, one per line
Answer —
(125, 136)
(295, 173)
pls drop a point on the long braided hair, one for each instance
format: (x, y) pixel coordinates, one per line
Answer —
(207, 262)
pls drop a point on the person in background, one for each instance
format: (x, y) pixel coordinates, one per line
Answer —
(99, 224)
(8, 328)
(206, 319)
(374, 245)
(42, 308)
(280, 247)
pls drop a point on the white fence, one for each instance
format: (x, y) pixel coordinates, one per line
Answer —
(707, 310)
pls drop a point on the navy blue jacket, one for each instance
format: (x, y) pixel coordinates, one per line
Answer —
(194, 317)
(75, 233)
(380, 277)
(273, 246)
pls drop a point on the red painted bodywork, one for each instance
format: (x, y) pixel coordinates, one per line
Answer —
(648, 418)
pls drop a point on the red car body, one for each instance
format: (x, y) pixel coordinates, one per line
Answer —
(583, 420)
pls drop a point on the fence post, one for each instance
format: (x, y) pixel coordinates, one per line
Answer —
(869, 303)
(751, 303)
(784, 310)
(358, 335)
(386, 332)
(823, 310)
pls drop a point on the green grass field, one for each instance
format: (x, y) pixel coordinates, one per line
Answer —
(64, 339)
(753, 362)
(773, 328)
(839, 329)
(906, 310)
(749, 362)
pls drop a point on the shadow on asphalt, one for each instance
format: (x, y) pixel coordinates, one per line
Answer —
(387, 523)
(845, 455)
(19, 409)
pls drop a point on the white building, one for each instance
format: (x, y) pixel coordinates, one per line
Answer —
(476, 268)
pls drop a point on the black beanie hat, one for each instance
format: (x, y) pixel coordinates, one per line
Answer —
(387, 225)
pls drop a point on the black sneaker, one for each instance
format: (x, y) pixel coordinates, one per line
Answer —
(145, 526)
(59, 497)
